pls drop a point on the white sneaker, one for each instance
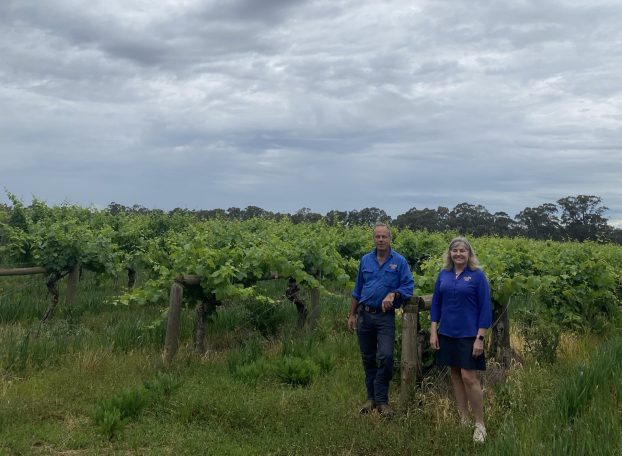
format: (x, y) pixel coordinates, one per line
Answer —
(479, 435)
(465, 421)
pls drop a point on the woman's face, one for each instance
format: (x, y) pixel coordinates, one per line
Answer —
(459, 254)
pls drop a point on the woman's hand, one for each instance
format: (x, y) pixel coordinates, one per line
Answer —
(478, 347)
(434, 340)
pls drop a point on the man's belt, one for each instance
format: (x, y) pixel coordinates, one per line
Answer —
(370, 309)
(374, 310)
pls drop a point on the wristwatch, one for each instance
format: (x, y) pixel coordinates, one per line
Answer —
(480, 337)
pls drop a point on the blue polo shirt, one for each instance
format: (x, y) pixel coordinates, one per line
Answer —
(461, 305)
(375, 281)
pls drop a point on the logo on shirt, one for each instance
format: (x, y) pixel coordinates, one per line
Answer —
(467, 278)
(393, 266)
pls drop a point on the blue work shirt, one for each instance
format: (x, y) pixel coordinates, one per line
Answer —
(461, 305)
(375, 281)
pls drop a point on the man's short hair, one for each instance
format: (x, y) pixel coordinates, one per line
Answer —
(381, 224)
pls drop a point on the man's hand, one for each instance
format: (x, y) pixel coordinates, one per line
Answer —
(387, 302)
(351, 323)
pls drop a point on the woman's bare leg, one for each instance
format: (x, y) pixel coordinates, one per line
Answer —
(460, 392)
(474, 393)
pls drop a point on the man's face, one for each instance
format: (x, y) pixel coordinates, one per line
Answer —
(382, 238)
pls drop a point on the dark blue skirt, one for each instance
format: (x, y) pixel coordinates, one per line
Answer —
(458, 352)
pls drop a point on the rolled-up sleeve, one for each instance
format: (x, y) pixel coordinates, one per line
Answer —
(358, 285)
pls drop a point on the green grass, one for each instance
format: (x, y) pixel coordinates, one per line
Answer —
(92, 382)
(581, 416)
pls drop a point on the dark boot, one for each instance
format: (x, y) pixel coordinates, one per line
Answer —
(367, 407)
(385, 411)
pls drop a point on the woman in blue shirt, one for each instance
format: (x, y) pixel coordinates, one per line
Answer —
(461, 314)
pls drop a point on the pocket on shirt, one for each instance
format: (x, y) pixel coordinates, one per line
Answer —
(392, 278)
(368, 274)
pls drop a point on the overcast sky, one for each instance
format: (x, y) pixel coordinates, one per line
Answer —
(331, 104)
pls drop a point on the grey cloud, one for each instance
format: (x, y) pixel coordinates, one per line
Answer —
(290, 104)
(251, 10)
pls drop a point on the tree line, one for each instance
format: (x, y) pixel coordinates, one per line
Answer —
(579, 218)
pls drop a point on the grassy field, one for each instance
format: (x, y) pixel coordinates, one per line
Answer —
(92, 382)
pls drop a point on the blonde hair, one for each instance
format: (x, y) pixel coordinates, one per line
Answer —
(448, 263)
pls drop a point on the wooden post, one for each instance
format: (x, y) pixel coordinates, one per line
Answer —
(172, 325)
(499, 345)
(425, 302)
(22, 271)
(418, 302)
(72, 286)
(410, 353)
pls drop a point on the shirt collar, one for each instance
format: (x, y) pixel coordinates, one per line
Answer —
(467, 269)
(390, 255)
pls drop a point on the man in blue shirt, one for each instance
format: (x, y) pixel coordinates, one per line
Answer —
(383, 282)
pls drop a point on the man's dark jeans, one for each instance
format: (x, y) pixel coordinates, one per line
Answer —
(376, 334)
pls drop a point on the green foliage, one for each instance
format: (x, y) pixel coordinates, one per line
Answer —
(325, 360)
(582, 415)
(299, 363)
(228, 318)
(130, 401)
(25, 347)
(249, 353)
(539, 329)
(252, 372)
(233, 257)
(265, 317)
(310, 347)
(419, 246)
(109, 421)
(17, 355)
(296, 371)
(110, 415)
(100, 359)
(163, 384)
(60, 238)
(577, 285)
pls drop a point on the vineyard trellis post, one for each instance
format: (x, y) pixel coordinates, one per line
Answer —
(499, 342)
(411, 362)
(203, 309)
(408, 365)
(172, 324)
